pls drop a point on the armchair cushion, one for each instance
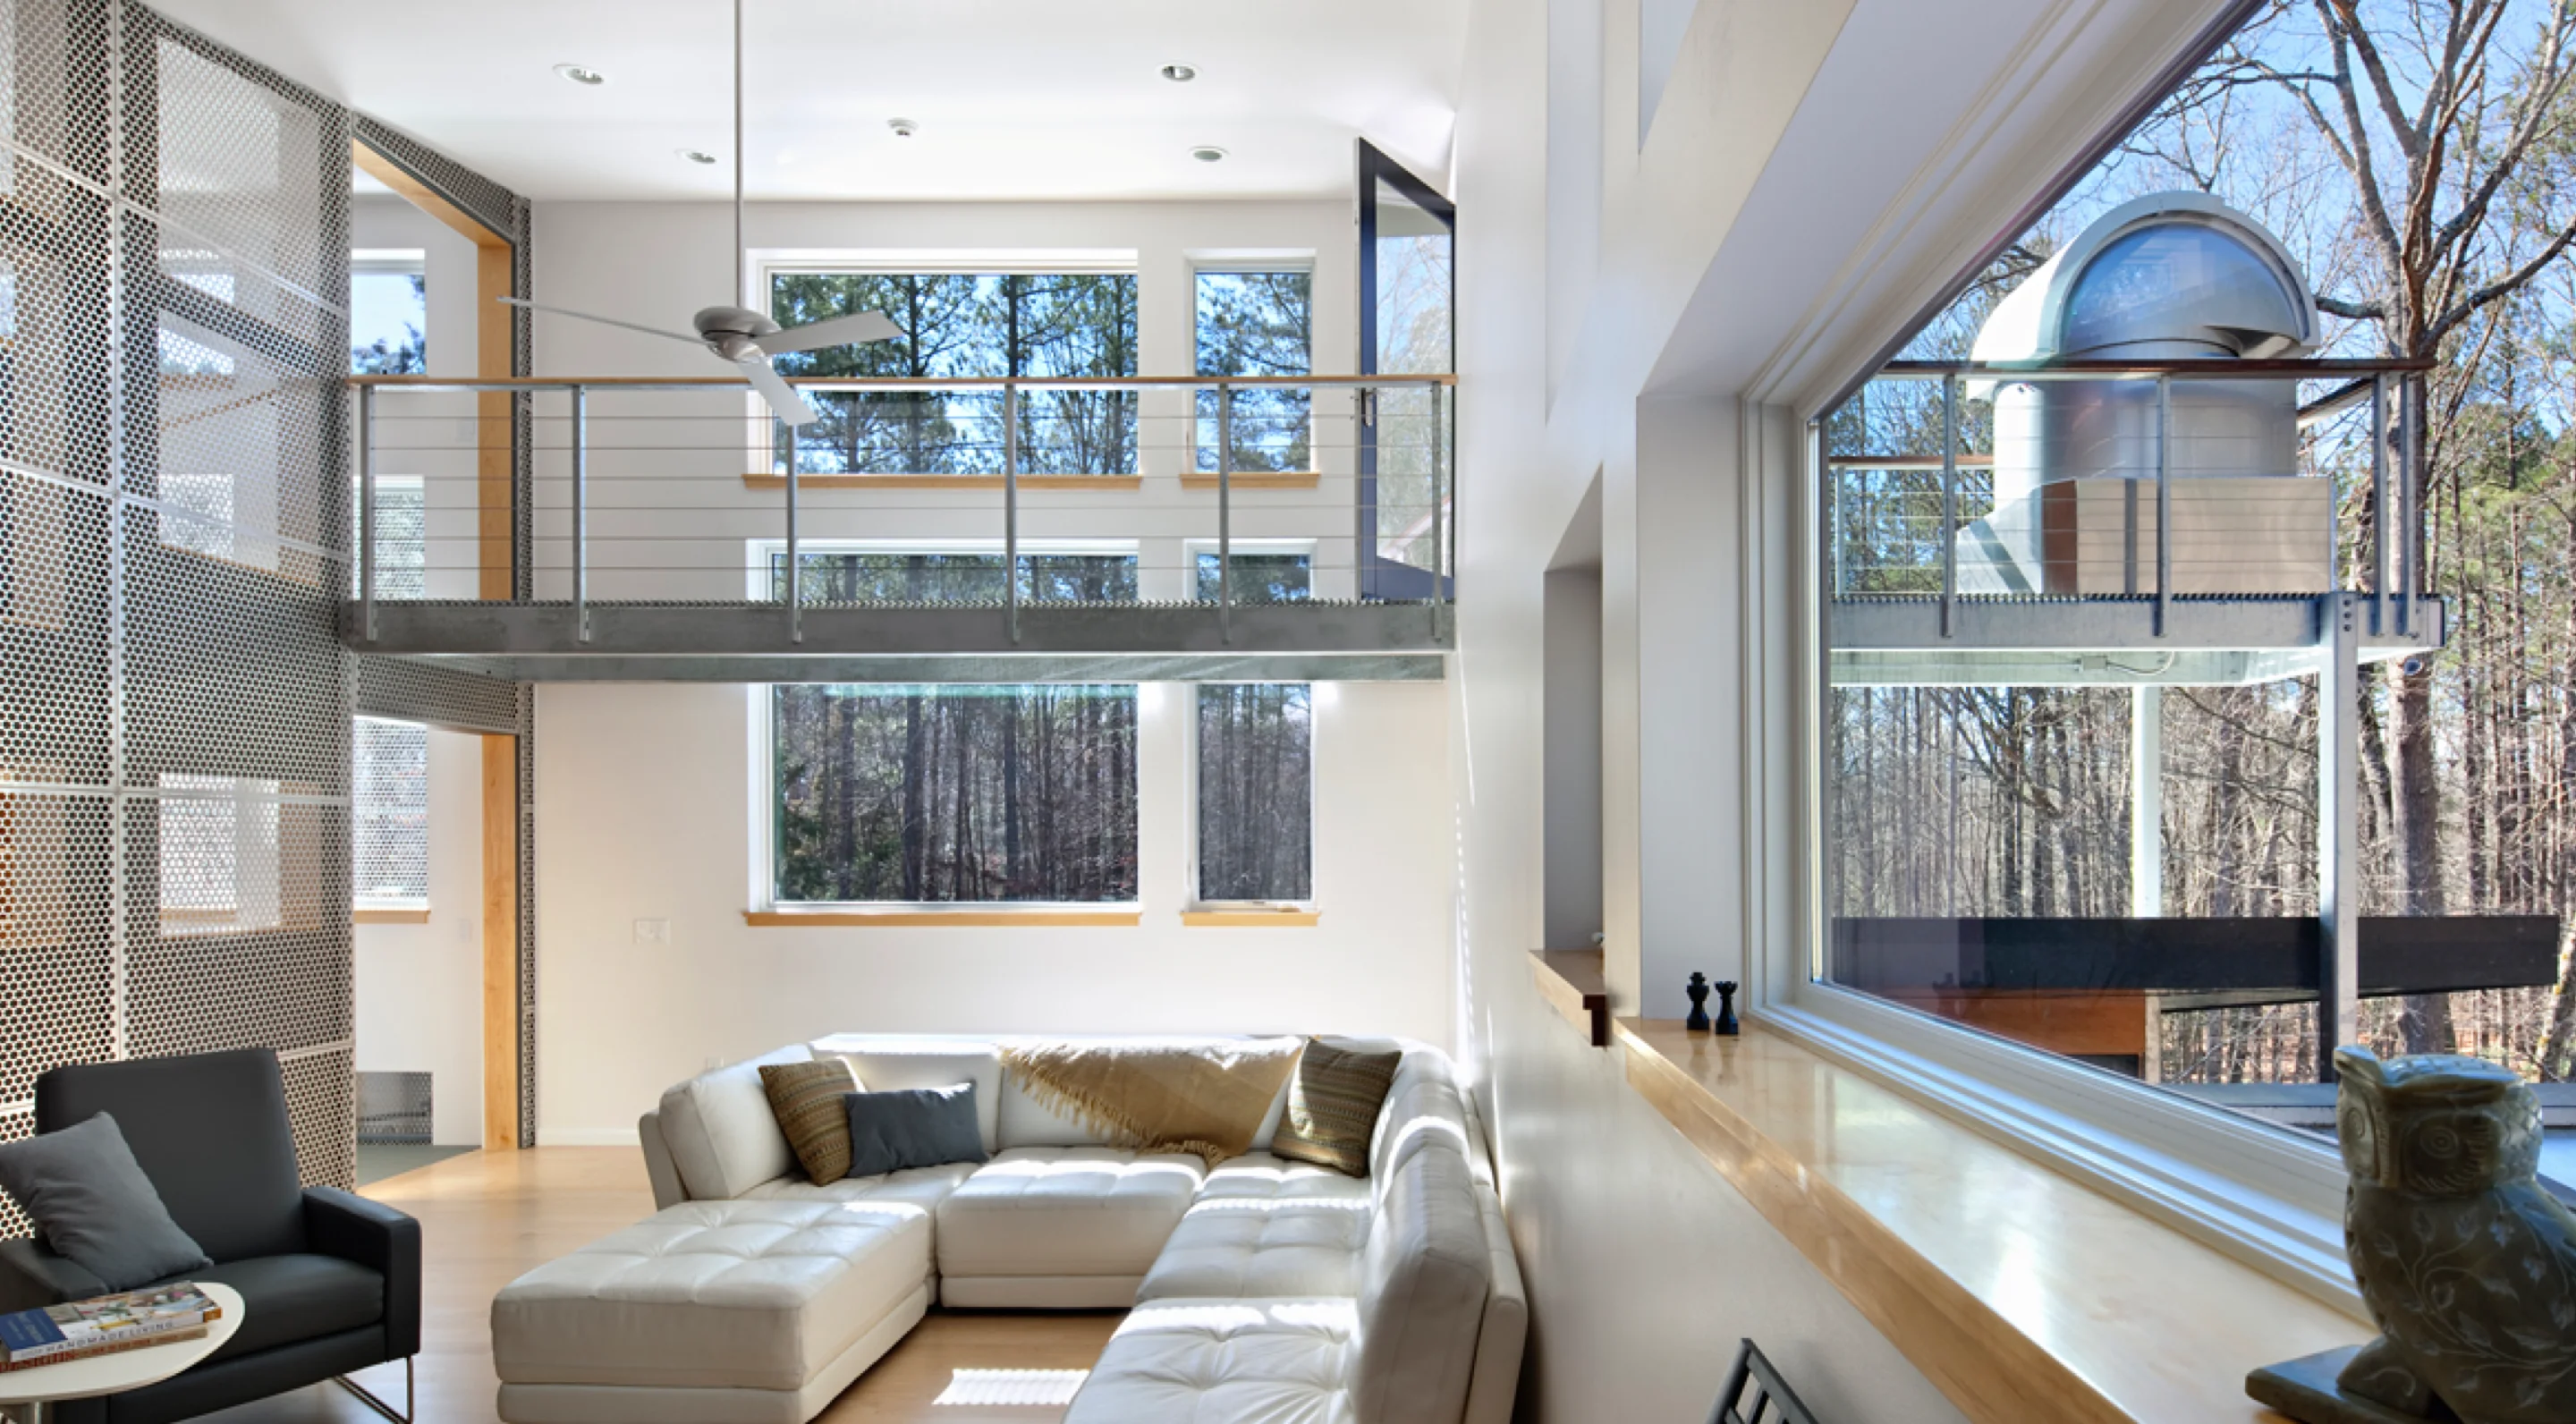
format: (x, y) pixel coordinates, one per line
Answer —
(289, 1299)
(92, 1204)
(210, 1130)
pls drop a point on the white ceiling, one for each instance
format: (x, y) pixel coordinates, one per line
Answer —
(1016, 99)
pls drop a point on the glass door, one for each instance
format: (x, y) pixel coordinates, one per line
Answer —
(1408, 240)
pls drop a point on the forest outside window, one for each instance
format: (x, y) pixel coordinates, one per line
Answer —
(1261, 571)
(890, 795)
(1257, 324)
(2115, 855)
(1065, 325)
(967, 572)
(1256, 776)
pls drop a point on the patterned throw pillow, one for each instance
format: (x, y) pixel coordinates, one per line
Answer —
(807, 1099)
(1332, 1106)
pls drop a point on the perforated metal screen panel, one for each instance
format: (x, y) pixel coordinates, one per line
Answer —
(174, 473)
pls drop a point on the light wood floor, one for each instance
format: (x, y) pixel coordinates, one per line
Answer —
(488, 1216)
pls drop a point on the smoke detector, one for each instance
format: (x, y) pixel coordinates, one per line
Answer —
(903, 128)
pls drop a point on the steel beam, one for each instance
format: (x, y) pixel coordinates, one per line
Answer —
(745, 629)
(2103, 624)
(981, 668)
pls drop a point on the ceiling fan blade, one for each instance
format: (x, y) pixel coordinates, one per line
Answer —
(789, 406)
(834, 331)
(688, 337)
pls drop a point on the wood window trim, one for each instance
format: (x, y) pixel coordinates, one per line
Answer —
(1573, 983)
(1218, 918)
(1261, 480)
(912, 917)
(364, 916)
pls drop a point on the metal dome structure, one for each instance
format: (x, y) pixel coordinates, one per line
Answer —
(2168, 277)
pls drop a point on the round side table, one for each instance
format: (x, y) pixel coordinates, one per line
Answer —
(124, 1370)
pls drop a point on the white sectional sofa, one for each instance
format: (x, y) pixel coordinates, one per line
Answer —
(1263, 1289)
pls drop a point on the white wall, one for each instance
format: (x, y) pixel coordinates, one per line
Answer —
(1778, 223)
(645, 803)
(420, 987)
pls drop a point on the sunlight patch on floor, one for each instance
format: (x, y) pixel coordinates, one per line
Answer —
(988, 1388)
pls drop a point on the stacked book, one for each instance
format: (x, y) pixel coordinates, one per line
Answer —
(81, 1328)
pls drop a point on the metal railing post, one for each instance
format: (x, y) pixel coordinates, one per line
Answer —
(2164, 499)
(2410, 473)
(367, 512)
(580, 506)
(1011, 509)
(2378, 504)
(795, 566)
(1439, 546)
(1225, 512)
(1949, 505)
(1363, 491)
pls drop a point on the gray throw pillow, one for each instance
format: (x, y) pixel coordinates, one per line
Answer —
(92, 1205)
(913, 1127)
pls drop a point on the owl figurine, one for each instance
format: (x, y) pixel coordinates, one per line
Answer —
(2467, 1263)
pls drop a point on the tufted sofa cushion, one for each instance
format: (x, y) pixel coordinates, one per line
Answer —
(1065, 1212)
(739, 1294)
(1265, 1227)
(892, 1061)
(1225, 1362)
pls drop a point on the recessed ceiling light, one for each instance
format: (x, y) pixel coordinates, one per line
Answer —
(1208, 153)
(581, 74)
(903, 128)
(1180, 73)
(697, 155)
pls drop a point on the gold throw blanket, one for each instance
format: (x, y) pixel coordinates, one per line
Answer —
(1203, 1098)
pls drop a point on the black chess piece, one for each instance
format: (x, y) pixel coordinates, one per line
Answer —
(1697, 988)
(1725, 1007)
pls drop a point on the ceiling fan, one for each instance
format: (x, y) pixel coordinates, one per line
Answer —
(739, 335)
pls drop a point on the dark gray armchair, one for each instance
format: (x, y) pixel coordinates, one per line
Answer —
(330, 1282)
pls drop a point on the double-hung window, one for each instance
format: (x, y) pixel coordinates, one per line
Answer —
(1256, 323)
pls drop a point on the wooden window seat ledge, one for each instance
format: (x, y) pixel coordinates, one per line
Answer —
(2022, 1294)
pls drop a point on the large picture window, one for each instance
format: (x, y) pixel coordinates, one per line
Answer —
(967, 794)
(965, 324)
(1256, 792)
(1257, 324)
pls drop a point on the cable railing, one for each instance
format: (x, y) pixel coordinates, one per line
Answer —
(1008, 492)
(2149, 479)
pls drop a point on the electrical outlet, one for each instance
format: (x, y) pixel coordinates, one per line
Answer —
(652, 931)
(714, 1062)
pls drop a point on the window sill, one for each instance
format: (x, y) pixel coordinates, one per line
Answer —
(389, 917)
(911, 918)
(2020, 1292)
(1572, 982)
(1249, 919)
(946, 482)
